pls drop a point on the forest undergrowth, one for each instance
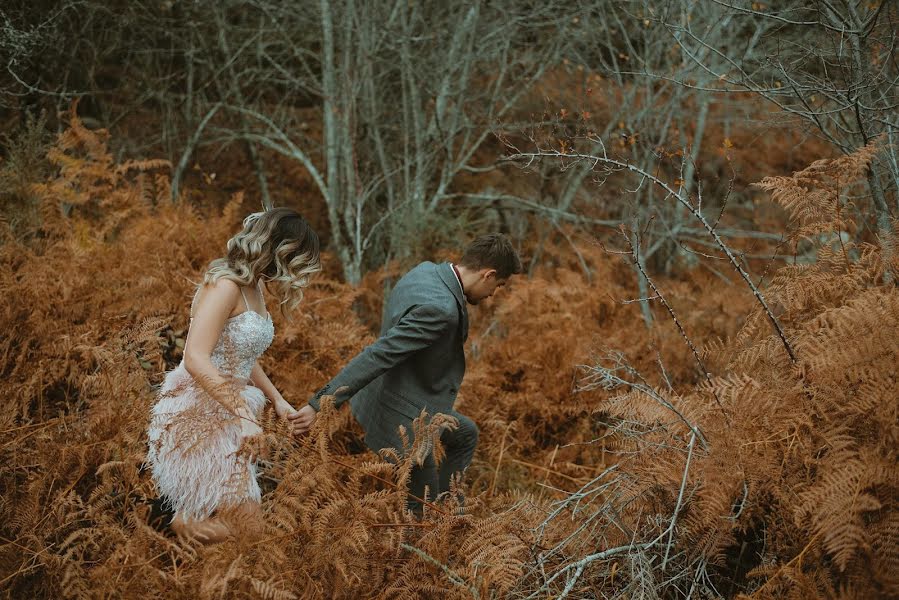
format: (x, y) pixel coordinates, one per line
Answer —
(608, 465)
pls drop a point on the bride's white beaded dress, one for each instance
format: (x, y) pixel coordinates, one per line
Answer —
(194, 440)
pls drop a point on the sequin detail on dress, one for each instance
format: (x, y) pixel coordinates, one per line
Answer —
(244, 338)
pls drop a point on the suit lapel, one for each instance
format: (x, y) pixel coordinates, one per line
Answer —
(445, 271)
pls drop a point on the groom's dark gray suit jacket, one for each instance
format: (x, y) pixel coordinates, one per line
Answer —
(417, 363)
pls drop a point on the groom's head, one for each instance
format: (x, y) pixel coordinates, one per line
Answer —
(487, 264)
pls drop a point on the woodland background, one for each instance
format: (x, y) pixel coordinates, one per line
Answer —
(691, 393)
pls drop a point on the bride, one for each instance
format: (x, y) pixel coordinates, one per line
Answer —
(205, 418)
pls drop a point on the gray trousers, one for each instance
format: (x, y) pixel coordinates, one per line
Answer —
(460, 445)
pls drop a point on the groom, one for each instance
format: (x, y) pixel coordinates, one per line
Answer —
(418, 362)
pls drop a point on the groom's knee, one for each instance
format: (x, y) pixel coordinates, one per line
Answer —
(468, 433)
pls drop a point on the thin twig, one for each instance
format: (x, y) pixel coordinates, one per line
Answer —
(453, 576)
(680, 328)
(680, 498)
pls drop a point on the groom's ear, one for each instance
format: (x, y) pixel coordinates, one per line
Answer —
(487, 274)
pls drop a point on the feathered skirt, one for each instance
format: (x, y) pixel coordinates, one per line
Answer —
(193, 448)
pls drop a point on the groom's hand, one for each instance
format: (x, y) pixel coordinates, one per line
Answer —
(301, 421)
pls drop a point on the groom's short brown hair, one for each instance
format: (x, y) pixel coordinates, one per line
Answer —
(492, 251)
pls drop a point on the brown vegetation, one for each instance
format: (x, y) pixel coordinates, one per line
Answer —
(774, 480)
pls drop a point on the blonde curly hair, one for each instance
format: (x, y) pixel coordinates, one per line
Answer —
(277, 247)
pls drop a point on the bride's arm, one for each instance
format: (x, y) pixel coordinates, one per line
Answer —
(215, 304)
(261, 380)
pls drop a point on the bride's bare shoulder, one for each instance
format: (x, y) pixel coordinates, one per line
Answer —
(222, 285)
(222, 291)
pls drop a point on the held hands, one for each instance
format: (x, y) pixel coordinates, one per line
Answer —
(290, 415)
(253, 444)
(301, 420)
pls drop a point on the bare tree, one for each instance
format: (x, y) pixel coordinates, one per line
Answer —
(648, 119)
(387, 104)
(409, 94)
(829, 64)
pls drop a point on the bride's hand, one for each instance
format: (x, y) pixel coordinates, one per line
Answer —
(287, 413)
(283, 409)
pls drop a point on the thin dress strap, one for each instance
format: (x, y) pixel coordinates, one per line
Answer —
(262, 297)
(245, 303)
(193, 302)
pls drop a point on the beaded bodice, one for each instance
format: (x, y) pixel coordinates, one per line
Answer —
(243, 340)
